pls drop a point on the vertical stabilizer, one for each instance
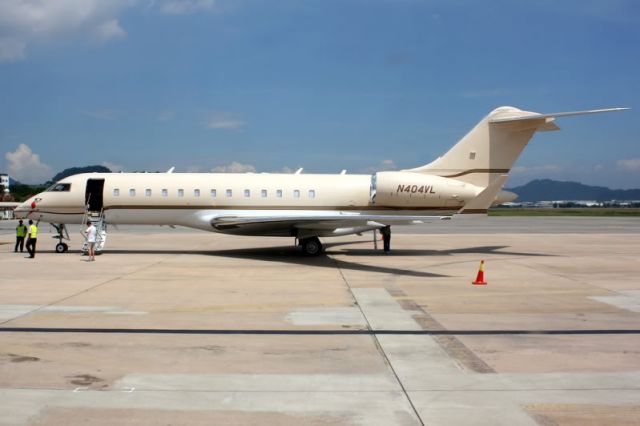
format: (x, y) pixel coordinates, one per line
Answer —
(486, 152)
(492, 147)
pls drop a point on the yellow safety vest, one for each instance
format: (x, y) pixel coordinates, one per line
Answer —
(33, 230)
(21, 230)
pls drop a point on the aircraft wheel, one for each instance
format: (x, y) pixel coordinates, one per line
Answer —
(61, 248)
(311, 246)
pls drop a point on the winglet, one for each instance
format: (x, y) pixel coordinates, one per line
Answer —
(171, 169)
(484, 199)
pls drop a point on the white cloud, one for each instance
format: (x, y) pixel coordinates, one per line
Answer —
(388, 165)
(629, 164)
(224, 121)
(26, 22)
(109, 30)
(384, 165)
(112, 166)
(26, 167)
(185, 7)
(234, 167)
(287, 169)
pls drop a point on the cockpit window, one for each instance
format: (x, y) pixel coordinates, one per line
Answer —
(60, 187)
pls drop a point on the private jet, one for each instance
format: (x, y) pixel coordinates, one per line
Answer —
(468, 179)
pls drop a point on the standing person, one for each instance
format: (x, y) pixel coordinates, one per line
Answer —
(386, 238)
(32, 239)
(92, 232)
(21, 232)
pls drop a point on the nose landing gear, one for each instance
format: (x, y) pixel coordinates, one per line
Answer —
(61, 247)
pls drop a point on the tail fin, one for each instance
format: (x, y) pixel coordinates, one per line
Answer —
(492, 147)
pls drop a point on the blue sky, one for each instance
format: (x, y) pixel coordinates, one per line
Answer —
(321, 84)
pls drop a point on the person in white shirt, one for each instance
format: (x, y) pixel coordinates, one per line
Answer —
(92, 233)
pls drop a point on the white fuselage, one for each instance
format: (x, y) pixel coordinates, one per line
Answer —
(194, 199)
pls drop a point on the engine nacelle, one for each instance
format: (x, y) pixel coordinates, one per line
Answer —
(410, 189)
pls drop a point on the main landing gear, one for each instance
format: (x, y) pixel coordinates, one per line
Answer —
(61, 247)
(310, 246)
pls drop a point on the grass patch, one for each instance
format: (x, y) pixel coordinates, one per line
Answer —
(571, 211)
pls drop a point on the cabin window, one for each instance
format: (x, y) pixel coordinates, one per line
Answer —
(296, 193)
(196, 192)
(229, 193)
(279, 193)
(214, 193)
(147, 192)
(180, 192)
(247, 193)
(132, 192)
(116, 192)
(165, 193)
(263, 193)
(312, 193)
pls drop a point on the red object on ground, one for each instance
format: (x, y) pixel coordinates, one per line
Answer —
(480, 277)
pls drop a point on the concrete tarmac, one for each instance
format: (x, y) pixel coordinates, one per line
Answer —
(173, 326)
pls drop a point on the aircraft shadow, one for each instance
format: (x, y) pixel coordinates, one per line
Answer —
(293, 255)
(287, 254)
(427, 252)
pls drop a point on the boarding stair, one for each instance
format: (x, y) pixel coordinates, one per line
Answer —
(98, 220)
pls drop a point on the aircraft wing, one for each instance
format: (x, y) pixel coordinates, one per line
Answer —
(333, 219)
(282, 222)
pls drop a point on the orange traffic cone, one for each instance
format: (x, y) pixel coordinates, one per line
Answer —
(480, 277)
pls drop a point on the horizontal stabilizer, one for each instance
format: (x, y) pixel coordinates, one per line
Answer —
(525, 115)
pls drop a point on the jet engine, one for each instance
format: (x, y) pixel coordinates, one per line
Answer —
(410, 189)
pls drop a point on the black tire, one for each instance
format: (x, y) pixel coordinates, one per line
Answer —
(61, 248)
(311, 246)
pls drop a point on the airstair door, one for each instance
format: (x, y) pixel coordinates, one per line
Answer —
(93, 194)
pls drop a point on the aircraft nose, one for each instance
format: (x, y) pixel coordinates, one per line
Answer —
(23, 210)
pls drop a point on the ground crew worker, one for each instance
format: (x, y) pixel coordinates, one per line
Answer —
(386, 238)
(21, 232)
(32, 239)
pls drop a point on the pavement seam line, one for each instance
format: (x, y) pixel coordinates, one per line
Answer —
(377, 343)
(86, 290)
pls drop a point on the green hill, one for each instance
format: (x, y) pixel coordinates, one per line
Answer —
(550, 190)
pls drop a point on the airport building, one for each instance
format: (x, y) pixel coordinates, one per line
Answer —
(4, 182)
(6, 210)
